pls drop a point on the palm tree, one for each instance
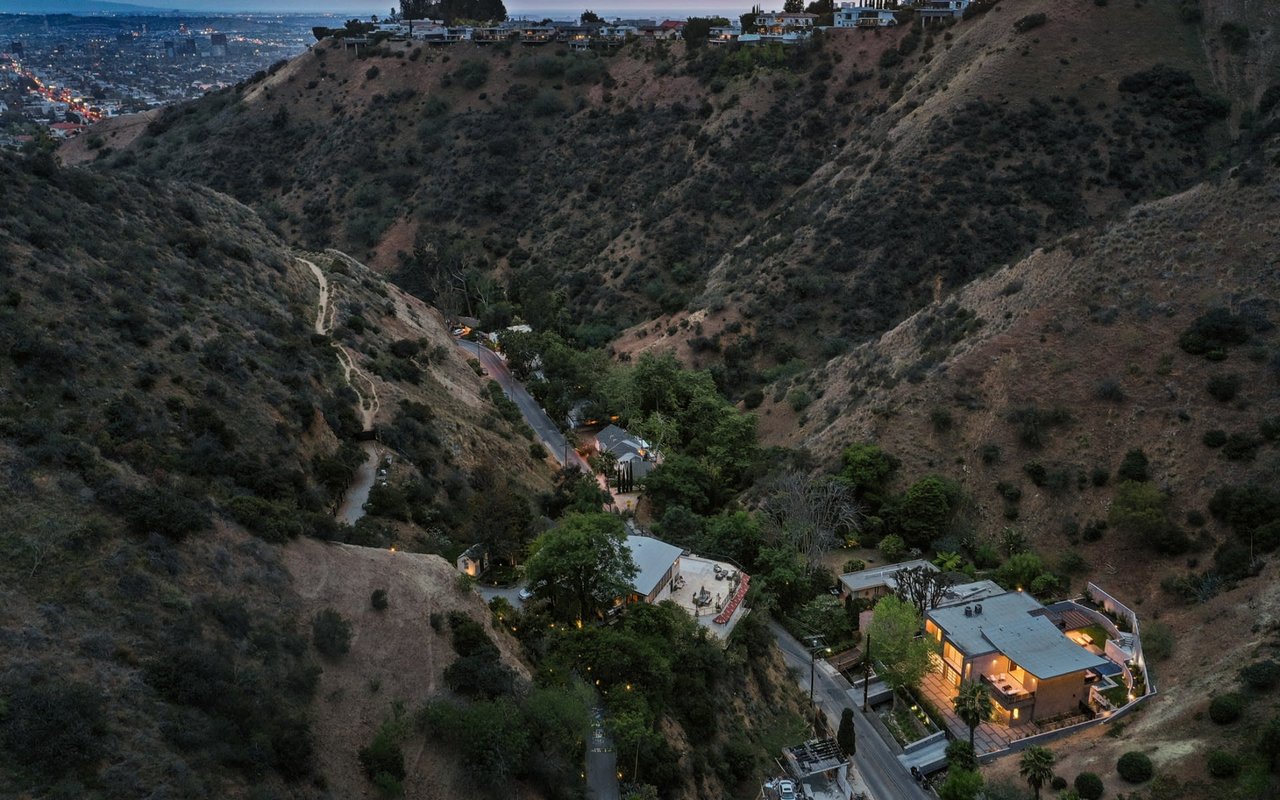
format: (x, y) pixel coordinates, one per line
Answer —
(973, 705)
(1037, 767)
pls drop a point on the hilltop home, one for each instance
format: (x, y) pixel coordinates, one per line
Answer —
(856, 16)
(657, 568)
(872, 584)
(941, 10)
(784, 27)
(1006, 641)
(631, 452)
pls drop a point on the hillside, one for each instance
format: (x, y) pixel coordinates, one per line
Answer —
(773, 193)
(1028, 389)
(169, 423)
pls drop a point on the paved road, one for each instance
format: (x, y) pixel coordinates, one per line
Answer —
(876, 762)
(602, 761)
(512, 593)
(533, 413)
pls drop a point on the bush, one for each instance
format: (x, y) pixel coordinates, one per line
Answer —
(1134, 467)
(1212, 333)
(892, 547)
(383, 759)
(1135, 767)
(1058, 783)
(1030, 22)
(1240, 447)
(379, 599)
(331, 633)
(1223, 764)
(1089, 786)
(1261, 676)
(1235, 36)
(371, 73)
(53, 727)
(1226, 708)
(1224, 388)
(1214, 438)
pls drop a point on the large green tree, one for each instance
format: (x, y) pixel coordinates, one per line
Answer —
(973, 705)
(925, 510)
(902, 658)
(582, 565)
(1036, 767)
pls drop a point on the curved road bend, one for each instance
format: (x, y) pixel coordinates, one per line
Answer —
(877, 764)
(533, 413)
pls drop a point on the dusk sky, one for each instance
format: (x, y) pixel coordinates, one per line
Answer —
(555, 8)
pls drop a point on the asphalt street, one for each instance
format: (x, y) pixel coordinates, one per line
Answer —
(533, 413)
(602, 761)
(878, 765)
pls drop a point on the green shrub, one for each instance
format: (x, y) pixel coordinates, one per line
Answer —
(854, 565)
(1134, 467)
(1261, 676)
(1030, 22)
(1135, 767)
(1213, 332)
(1240, 447)
(1223, 764)
(1089, 786)
(331, 633)
(383, 760)
(53, 727)
(1226, 708)
(1224, 388)
(379, 599)
(1235, 36)
(1214, 438)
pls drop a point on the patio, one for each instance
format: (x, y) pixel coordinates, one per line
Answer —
(989, 737)
(700, 575)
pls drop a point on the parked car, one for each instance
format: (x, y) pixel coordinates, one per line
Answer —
(786, 790)
(525, 594)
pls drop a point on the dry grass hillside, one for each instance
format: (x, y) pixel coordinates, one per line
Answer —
(169, 419)
(396, 658)
(840, 187)
(1028, 388)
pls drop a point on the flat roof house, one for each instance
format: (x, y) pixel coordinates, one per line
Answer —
(657, 567)
(872, 584)
(1031, 668)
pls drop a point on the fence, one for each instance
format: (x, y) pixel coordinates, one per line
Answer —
(1116, 608)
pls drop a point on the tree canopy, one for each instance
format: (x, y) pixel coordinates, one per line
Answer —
(903, 658)
(582, 565)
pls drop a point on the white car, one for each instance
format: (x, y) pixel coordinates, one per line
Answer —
(786, 790)
(525, 594)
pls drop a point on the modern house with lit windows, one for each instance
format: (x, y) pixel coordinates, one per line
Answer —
(1008, 641)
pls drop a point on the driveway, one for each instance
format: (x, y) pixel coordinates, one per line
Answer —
(533, 413)
(511, 593)
(878, 765)
(602, 761)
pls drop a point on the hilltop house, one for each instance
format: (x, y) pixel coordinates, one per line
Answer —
(941, 10)
(724, 34)
(473, 561)
(1007, 641)
(851, 15)
(872, 584)
(631, 454)
(657, 569)
(786, 27)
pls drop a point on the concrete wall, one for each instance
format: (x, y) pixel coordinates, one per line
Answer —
(1059, 695)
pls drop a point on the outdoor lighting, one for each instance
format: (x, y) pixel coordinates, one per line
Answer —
(579, 624)
(393, 548)
(628, 687)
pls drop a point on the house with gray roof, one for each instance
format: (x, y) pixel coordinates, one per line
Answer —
(874, 583)
(657, 567)
(1008, 642)
(633, 457)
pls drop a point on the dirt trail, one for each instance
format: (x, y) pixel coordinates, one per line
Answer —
(359, 381)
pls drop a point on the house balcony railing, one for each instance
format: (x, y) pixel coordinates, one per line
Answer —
(1009, 695)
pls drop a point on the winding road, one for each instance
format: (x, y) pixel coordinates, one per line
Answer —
(533, 413)
(878, 765)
